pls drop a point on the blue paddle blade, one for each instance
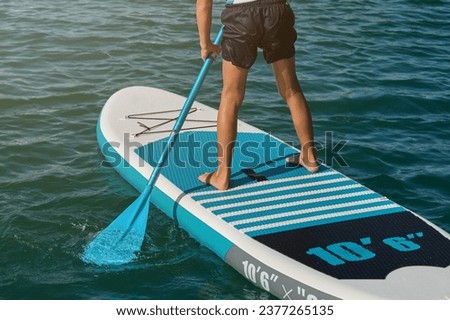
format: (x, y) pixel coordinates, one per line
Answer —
(122, 239)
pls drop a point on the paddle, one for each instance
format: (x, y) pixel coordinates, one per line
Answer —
(118, 243)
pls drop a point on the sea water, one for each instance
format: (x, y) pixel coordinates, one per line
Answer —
(375, 73)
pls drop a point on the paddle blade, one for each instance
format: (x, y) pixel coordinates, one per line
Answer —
(118, 243)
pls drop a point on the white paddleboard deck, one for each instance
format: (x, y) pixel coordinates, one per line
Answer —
(295, 234)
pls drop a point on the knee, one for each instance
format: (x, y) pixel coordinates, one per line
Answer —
(233, 96)
(289, 92)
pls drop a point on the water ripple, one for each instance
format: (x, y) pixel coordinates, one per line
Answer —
(375, 75)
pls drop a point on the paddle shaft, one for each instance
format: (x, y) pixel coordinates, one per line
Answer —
(181, 118)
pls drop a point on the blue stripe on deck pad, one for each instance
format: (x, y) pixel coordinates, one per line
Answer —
(290, 198)
(194, 153)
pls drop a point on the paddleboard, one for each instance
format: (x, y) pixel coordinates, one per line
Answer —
(294, 234)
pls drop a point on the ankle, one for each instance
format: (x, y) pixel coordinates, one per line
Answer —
(308, 152)
(223, 173)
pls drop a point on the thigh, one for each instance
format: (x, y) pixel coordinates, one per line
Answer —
(234, 82)
(285, 75)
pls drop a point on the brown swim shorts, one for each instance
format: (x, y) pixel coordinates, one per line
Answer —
(265, 24)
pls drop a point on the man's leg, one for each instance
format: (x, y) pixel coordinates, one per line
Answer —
(233, 91)
(291, 91)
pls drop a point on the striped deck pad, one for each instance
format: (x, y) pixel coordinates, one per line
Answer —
(303, 201)
(290, 198)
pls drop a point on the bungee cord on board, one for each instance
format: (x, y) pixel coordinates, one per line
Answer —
(150, 129)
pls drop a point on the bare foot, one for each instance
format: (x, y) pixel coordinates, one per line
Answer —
(309, 165)
(212, 179)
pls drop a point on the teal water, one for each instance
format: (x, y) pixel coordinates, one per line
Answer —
(375, 74)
